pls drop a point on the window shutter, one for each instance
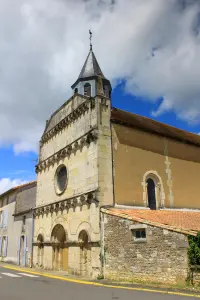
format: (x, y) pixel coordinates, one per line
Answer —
(24, 254)
(2, 219)
(18, 250)
(0, 245)
(5, 218)
(5, 246)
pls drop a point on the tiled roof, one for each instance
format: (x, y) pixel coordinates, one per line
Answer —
(149, 125)
(19, 187)
(181, 221)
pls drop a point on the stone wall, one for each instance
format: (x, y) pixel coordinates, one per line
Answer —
(162, 257)
(89, 166)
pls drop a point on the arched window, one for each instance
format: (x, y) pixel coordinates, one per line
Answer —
(75, 90)
(87, 89)
(106, 91)
(151, 193)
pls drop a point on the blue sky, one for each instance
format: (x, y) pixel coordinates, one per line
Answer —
(22, 165)
(43, 51)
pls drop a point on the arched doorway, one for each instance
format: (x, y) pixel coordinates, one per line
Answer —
(85, 253)
(151, 193)
(60, 250)
(40, 251)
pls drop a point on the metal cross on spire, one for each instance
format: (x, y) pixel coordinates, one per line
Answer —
(90, 32)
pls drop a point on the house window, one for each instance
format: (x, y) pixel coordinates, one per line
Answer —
(87, 89)
(1, 219)
(151, 193)
(139, 234)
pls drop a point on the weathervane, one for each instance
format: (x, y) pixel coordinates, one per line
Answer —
(90, 32)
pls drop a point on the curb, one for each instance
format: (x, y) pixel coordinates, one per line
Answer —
(85, 282)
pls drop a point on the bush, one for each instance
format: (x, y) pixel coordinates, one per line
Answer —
(194, 249)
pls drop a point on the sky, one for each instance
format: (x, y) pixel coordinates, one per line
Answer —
(148, 49)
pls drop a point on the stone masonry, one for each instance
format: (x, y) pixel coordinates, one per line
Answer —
(162, 257)
(78, 136)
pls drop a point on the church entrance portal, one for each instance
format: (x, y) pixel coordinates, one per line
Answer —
(60, 250)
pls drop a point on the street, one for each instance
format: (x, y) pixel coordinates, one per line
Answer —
(18, 285)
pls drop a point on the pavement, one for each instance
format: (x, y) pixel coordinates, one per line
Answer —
(21, 284)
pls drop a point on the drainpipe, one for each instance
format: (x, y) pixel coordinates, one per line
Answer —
(102, 246)
(31, 260)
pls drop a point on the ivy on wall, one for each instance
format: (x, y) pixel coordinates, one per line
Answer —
(194, 249)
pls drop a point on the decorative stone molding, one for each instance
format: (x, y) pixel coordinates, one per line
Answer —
(86, 139)
(59, 206)
(65, 244)
(79, 111)
(159, 190)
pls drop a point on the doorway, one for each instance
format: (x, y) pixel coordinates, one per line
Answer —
(59, 247)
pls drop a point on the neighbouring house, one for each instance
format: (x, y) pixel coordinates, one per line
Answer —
(114, 189)
(16, 224)
(152, 245)
(24, 223)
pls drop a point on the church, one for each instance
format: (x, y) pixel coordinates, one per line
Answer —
(117, 193)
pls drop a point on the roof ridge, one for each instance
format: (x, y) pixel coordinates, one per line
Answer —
(152, 120)
(18, 187)
(150, 125)
(141, 219)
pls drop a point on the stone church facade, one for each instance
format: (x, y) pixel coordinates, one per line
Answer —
(107, 178)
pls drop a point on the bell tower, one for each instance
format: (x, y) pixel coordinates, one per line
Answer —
(87, 82)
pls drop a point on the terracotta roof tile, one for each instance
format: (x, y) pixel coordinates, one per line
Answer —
(182, 221)
(18, 187)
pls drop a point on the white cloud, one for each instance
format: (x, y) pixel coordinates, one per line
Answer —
(44, 45)
(7, 183)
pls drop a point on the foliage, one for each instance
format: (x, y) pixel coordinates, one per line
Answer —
(194, 249)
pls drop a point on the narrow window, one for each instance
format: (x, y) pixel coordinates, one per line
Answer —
(87, 89)
(139, 234)
(106, 91)
(151, 192)
(24, 220)
(76, 90)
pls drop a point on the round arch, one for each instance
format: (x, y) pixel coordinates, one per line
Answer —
(59, 248)
(153, 187)
(58, 234)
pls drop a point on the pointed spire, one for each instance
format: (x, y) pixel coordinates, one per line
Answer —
(91, 74)
(90, 67)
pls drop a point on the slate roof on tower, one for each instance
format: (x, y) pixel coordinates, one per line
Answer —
(91, 67)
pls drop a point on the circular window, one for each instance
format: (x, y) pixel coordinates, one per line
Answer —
(61, 179)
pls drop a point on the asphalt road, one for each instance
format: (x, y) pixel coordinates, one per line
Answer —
(18, 285)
